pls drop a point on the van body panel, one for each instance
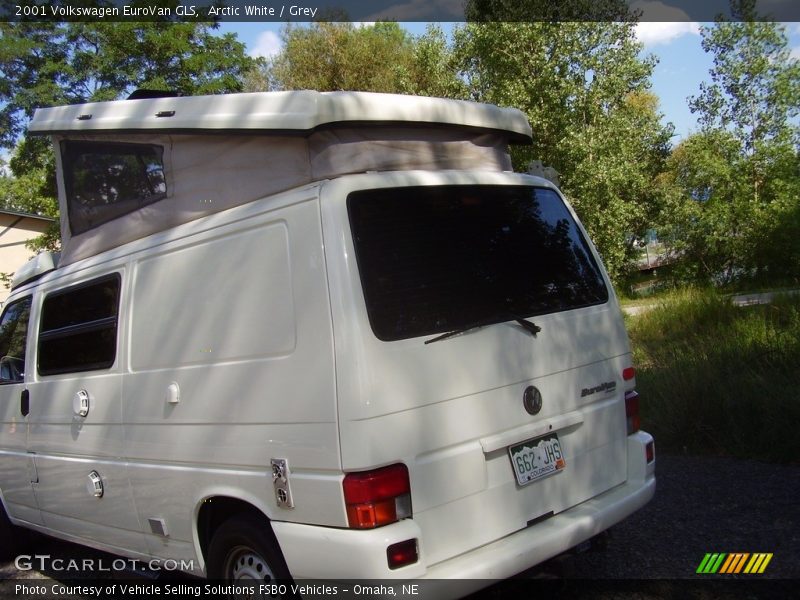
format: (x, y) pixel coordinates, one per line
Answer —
(67, 505)
(248, 345)
(450, 410)
(17, 495)
(17, 467)
(229, 333)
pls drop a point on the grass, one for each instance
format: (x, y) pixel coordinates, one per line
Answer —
(717, 378)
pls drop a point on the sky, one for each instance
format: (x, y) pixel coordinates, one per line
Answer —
(682, 63)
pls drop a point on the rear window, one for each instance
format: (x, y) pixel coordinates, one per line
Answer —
(436, 259)
(106, 180)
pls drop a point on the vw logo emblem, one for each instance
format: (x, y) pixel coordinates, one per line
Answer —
(532, 400)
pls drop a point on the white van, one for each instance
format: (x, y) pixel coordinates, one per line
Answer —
(317, 335)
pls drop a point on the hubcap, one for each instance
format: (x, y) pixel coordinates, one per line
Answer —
(245, 564)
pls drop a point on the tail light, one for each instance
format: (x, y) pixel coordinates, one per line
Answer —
(628, 373)
(378, 497)
(650, 452)
(632, 411)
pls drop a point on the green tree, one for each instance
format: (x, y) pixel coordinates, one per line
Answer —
(47, 64)
(383, 57)
(755, 83)
(705, 217)
(24, 194)
(584, 88)
(739, 179)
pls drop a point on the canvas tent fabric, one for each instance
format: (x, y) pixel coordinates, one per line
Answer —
(209, 173)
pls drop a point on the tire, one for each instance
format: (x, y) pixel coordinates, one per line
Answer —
(244, 550)
(13, 539)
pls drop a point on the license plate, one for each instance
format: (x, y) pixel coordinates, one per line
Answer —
(536, 458)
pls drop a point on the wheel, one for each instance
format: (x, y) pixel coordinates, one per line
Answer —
(244, 550)
(12, 538)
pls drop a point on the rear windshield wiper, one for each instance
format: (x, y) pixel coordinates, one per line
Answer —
(529, 326)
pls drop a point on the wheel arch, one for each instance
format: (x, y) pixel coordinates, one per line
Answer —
(213, 510)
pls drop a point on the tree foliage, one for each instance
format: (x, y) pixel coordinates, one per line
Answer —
(736, 184)
(755, 84)
(372, 58)
(585, 91)
(50, 64)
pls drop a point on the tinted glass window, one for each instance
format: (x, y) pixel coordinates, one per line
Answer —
(79, 328)
(104, 180)
(435, 259)
(13, 338)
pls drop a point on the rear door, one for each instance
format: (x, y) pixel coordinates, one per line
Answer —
(481, 345)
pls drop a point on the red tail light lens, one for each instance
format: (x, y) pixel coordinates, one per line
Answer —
(402, 554)
(628, 373)
(650, 452)
(632, 411)
(377, 497)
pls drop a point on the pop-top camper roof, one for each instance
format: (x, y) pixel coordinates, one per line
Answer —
(130, 168)
(298, 112)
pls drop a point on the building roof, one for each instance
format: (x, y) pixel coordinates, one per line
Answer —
(24, 215)
(277, 112)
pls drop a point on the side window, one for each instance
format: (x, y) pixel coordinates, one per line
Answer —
(13, 336)
(79, 327)
(105, 180)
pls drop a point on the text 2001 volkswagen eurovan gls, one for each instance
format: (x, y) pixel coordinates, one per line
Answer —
(314, 335)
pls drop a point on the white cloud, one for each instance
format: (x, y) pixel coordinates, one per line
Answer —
(654, 33)
(267, 45)
(660, 23)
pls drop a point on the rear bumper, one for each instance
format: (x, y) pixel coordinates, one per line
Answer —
(323, 553)
(515, 553)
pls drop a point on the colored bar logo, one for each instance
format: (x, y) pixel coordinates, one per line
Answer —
(734, 563)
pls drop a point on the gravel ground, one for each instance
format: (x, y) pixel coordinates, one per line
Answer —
(705, 504)
(702, 504)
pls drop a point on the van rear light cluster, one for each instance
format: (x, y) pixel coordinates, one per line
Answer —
(628, 373)
(632, 411)
(378, 497)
